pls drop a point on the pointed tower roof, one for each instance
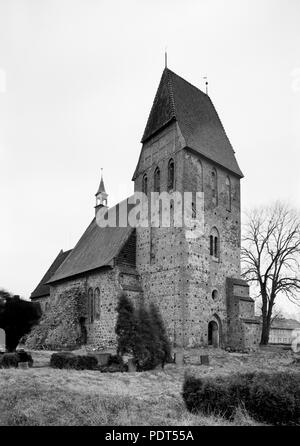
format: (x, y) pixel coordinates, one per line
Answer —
(101, 187)
(178, 100)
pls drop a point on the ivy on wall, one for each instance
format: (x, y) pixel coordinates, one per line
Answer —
(60, 325)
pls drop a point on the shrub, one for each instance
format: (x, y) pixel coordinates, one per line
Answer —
(147, 349)
(271, 398)
(25, 357)
(67, 360)
(159, 327)
(125, 325)
(17, 317)
(9, 360)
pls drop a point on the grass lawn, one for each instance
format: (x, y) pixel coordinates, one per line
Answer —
(46, 396)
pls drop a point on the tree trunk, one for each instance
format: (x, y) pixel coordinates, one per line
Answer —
(265, 321)
(267, 314)
(265, 334)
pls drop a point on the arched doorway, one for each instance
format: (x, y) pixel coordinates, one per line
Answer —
(213, 334)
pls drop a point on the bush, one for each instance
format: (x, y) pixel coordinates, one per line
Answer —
(25, 357)
(9, 360)
(147, 349)
(271, 398)
(17, 317)
(125, 325)
(159, 327)
(67, 360)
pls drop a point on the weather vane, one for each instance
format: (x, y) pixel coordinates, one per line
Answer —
(166, 58)
(206, 83)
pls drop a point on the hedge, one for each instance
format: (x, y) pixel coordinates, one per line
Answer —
(12, 359)
(270, 398)
(9, 360)
(68, 360)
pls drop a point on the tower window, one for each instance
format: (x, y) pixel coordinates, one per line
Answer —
(157, 180)
(214, 186)
(214, 244)
(228, 194)
(211, 245)
(171, 175)
(97, 303)
(145, 185)
(216, 250)
(91, 309)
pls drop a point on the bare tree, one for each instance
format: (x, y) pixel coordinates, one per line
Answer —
(270, 257)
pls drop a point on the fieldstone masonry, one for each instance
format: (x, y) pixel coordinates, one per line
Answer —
(199, 290)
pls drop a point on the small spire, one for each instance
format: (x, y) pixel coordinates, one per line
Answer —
(101, 195)
(101, 186)
(166, 58)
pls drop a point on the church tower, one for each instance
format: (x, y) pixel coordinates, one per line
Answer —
(185, 149)
(101, 195)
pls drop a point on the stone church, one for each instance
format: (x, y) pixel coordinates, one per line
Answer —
(195, 282)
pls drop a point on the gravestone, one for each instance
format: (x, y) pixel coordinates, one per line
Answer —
(131, 365)
(2, 340)
(204, 359)
(102, 358)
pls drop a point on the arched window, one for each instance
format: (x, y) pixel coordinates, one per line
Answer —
(91, 305)
(157, 180)
(216, 247)
(228, 194)
(214, 186)
(145, 185)
(211, 245)
(214, 244)
(171, 175)
(97, 303)
(199, 177)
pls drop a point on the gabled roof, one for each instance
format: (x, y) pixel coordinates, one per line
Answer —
(282, 323)
(43, 289)
(178, 100)
(96, 248)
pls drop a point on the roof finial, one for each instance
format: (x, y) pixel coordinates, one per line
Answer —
(166, 58)
(206, 84)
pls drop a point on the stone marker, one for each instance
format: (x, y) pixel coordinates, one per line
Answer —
(23, 365)
(102, 358)
(179, 357)
(131, 365)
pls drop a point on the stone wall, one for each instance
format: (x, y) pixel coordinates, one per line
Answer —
(243, 327)
(68, 309)
(179, 273)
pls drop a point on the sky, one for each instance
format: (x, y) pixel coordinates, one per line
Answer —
(77, 81)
